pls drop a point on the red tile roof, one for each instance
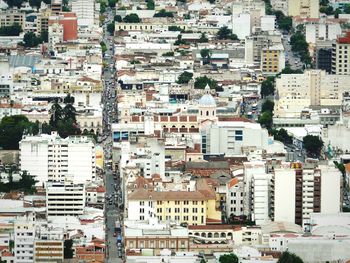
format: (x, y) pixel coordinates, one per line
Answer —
(344, 39)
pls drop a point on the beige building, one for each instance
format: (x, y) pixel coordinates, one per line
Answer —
(295, 92)
(272, 59)
(304, 8)
(10, 17)
(340, 61)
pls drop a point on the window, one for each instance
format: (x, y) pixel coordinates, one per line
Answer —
(142, 203)
(142, 218)
(142, 210)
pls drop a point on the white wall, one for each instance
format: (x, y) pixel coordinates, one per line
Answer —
(241, 25)
(330, 190)
(285, 195)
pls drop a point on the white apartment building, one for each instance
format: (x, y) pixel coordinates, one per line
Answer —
(55, 35)
(234, 197)
(51, 158)
(299, 193)
(65, 199)
(295, 92)
(241, 25)
(230, 138)
(85, 11)
(322, 31)
(260, 195)
(24, 229)
(268, 23)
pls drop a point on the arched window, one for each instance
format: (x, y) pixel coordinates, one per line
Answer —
(213, 113)
(207, 113)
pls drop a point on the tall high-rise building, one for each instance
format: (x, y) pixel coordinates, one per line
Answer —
(340, 53)
(85, 11)
(299, 191)
(51, 158)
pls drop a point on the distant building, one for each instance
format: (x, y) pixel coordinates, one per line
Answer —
(340, 61)
(324, 59)
(65, 199)
(10, 17)
(51, 158)
(85, 11)
(304, 8)
(69, 22)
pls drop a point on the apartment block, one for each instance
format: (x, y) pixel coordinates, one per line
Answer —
(24, 229)
(322, 31)
(272, 59)
(340, 52)
(300, 191)
(85, 11)
(65, 199)
(10, 17)
(51, 158)
(296, 92)
(304, 8)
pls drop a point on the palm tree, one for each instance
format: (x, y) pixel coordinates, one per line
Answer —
(56, 114)
(206, 54)
(70, 112)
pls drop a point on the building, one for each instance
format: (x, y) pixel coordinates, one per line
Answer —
(298, 192)
(51, 158)
(340, 62)
(192, 207)
(65, 199)
(234, 197)
(85, 11)
(24, 231)
(281, 5)
(10, 17)
(313, 88)
(241, 25)
(323, 31)
(69, 21)
(324, 59)
(268, 23)
(273, 59)
(304, 8)
(56, 6)
(231, 137)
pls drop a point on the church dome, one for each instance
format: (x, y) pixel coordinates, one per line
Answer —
(207, 99)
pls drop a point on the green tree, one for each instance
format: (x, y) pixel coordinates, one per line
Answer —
(205, 53)
(12, 129)
(112, 3)
(163, 13)
(184, 78)
(111, 28)
(69, 99)
(68, 249)
(118, 18)
(35, 3)
(289, 70)
(69, 112)
(313, 145)
(44, 36)
(150, 4)
(102, 7)
(282, 136)
(201, 82)
(180, 41)
(203, 38)
(267, 106)
(265, 120)
(346, 9)
(103, 47)
(168, 54)
(228, 258)
(226, 33)
(56, 114)
(328, 10)
(132, 18)
(67, 127)
(174, 28)
(284, 22)
(31, 40)
(13, 30)
(288, 257)
(267, 87)
(16, 3)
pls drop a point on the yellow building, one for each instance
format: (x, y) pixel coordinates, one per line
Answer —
(192, 207)
(304, 8)
(272, 59)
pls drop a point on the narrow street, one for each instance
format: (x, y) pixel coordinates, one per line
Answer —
(112, 213)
